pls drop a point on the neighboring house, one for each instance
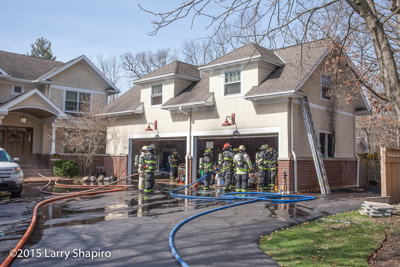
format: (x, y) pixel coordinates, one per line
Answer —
(262, 89)
(34, 93)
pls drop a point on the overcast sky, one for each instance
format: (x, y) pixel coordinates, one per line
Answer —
(89, 27)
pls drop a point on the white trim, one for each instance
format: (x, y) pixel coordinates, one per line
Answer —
(276, 94)
(169, 75)
(325, 108)
(162, 135)
(62, 87)
(34, 107)
(360, 140)
(242, 60)
(104, 79)
(5, 107)
(13, 90)
(77, 101)
(151, 95)
(276, 54)
(223, 83)
(3, 72)
(312, 70)
(242, 131)
(210, 101)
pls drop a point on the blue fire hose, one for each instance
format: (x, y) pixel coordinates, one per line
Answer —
(251, 197)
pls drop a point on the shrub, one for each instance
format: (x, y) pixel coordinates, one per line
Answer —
(65, 168)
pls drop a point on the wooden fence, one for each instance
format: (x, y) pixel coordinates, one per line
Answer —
(390, 173)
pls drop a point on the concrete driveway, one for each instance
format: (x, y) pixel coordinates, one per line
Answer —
(126, 228)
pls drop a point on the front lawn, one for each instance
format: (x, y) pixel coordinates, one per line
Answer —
(316, 244)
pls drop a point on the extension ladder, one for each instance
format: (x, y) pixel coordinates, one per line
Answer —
(315, 149)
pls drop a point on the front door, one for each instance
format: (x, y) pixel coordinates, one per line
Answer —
(17, 142)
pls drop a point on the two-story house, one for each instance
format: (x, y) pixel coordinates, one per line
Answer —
(34, 93)
(193, 107)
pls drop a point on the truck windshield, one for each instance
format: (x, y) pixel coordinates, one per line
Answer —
(4, 156)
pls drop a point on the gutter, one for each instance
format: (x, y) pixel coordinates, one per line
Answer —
(208, 102)
(271, 95)
(355, 150)
(188, 158)
(292, 147)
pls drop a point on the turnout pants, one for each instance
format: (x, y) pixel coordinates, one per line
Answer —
(227, 176)
(174, 172)
(263, 179)
(149, 182)
(207, 179)
(272, 177)
(142, 177)
(241, 182)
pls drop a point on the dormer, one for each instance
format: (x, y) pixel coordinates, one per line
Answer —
(243, 68)
(167, 82)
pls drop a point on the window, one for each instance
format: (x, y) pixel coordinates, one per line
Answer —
(156, 95)
(77, 101)
(327, 145)
(232, 82)
(17, 90)
(326, 87)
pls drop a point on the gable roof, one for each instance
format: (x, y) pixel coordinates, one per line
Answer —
(129, 102)
(176, 68)
(35, 69)
(301, 61)
(26, 67)
(250, 50)
(196, 92)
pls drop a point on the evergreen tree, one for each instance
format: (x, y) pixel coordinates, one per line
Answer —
(42, 49)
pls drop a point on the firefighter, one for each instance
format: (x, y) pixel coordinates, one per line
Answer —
(139, 164)
(235, 152)
(226, 160)
(150, 167)
(173, 162)
(263, 168)
(207, 167)
(242, 164)
(273, 166)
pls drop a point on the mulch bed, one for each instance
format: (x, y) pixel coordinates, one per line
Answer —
(389, 253)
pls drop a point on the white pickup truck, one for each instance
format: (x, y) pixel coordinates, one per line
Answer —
(11, 174)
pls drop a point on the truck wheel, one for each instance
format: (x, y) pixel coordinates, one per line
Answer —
(16, 194)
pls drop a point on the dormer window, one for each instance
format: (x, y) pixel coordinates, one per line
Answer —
(326, 87)
(156, 95)
(17, 90)
(232, 82)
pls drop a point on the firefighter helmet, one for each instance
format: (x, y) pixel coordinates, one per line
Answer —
(208, 151)
(226, 146)
(144, 148)
(242, 148)
(264, 147)
(151, 147)
(236, 150)
(174, 150)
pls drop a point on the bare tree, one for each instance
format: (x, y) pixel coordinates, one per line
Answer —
(143, 63)
(110, 67)
(84, 134)
(352, 24)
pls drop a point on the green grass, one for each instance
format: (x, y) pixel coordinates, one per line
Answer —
(315, 244)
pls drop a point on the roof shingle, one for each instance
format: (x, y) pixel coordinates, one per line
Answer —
(176, 67)
(26, 67)
(130, 100)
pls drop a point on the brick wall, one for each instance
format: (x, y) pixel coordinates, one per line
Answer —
(340, 173)
(116, 165)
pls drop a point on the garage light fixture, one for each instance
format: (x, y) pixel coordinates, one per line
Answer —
(149, 128)
(227, 123)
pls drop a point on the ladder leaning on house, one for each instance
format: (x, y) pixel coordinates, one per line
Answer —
(315, 149)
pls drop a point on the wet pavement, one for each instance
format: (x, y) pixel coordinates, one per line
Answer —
(127, 227)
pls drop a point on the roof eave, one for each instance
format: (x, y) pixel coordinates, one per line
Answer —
(169, 75)
(138, 110)
(209, 102)
(242, 60)
(291, 93)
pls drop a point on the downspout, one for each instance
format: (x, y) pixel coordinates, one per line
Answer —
(188, 158)
(292, 147)
(355, 150)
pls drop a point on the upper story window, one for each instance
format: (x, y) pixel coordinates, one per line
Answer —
(17, 90)
(327, 145)
(77, 101)
(232, 82)
(156, 95)
(326, 87)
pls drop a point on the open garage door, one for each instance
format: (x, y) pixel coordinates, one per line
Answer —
(163, 149)
(251, 142)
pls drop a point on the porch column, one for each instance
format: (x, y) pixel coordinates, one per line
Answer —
(53, 139)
